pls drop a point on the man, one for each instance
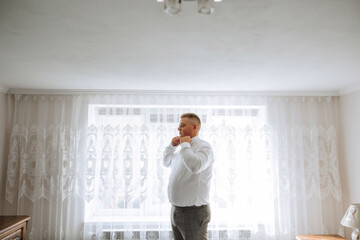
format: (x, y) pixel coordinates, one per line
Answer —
(189, 181)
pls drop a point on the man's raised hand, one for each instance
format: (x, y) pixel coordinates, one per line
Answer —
(185, 139)
(175, 141)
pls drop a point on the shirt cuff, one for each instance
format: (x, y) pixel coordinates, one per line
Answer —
(185, 145)
(170, 146)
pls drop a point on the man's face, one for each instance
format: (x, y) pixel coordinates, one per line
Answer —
(185, 128)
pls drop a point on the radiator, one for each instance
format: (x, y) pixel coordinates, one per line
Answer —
(241, 234)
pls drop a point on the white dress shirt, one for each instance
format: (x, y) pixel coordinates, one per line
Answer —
(191, 171)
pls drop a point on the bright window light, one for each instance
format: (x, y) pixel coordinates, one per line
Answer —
(130, 184)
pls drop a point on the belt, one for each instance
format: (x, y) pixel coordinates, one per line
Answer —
(191, 207)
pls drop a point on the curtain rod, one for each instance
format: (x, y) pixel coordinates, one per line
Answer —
(170, 92)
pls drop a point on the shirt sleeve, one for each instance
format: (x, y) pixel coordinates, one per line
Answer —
(168, 154)
(197, 161)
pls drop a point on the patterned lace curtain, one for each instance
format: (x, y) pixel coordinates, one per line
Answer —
(45, 165)
(305, 164)
(90, 166)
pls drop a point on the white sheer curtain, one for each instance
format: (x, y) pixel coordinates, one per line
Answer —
(90, 165)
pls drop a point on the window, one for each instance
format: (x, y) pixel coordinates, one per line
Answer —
(128, 183)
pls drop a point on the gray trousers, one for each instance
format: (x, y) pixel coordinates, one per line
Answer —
(190, 223)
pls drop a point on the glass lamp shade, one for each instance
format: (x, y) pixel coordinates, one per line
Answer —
(352, 219)
(206, 6)
(172, 6)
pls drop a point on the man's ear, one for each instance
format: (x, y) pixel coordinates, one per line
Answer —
(195, 127)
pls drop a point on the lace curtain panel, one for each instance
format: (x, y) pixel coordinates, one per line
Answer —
(89, 166)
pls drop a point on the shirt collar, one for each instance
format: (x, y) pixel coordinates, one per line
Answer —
(195, 138)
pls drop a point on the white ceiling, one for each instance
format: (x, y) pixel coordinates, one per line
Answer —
(246, 45)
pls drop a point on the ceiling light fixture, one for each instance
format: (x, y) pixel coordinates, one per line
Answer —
(174, 6)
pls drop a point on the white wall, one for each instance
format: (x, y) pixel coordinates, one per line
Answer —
(349, 162)
(4, 136)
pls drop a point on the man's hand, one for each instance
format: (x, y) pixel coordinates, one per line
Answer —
(185, 139)
(175, 141)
